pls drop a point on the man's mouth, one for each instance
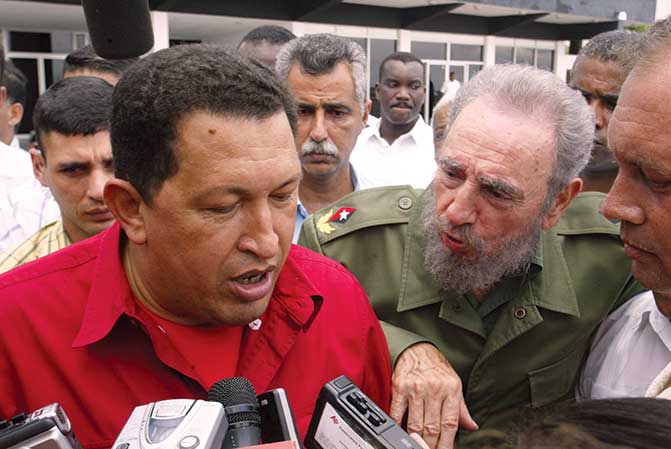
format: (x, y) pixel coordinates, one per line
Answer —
(100, 214)
(635, 251)
(252, 285)
(401, 106)
(453, 243)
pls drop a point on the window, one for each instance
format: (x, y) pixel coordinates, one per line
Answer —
(545, 59)
(429, 50)
(504, 55)
(461, 52)
(524, 56)
(379, 49)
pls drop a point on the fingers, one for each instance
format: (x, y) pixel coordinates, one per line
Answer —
(449, 421)
(432, 413)
(465, 420)
(398, 405)
(419, 441)
(415, 414)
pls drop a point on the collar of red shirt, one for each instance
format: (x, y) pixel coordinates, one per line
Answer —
(110, 295)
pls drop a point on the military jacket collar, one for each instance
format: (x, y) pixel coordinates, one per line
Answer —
(550, 289)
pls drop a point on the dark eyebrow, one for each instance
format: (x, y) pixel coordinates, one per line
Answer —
(337, 106)
(70, 165)
(239, 191)
(609, 98)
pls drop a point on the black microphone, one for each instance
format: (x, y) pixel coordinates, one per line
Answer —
(119, 29)
(238, 397)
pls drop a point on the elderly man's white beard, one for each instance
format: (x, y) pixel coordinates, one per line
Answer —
(459, 275)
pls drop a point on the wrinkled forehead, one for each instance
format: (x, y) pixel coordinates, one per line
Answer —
(502, 134)
(643, 114)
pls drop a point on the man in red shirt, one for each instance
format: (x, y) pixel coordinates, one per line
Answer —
(198, 279)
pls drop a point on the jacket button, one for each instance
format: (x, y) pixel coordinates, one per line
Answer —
(520, 313)
(456, 307)
(405, 203)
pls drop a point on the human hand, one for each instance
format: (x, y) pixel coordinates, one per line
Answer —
(426, 384)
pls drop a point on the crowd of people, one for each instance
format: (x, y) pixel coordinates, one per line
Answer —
(499, 278)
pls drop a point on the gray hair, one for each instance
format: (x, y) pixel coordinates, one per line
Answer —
(318, 54)
(620, 46)
(442, 103)
(538, 93)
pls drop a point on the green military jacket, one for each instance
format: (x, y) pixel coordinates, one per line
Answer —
(532, 355)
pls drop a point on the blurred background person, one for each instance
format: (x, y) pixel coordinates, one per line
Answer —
(11, 111)
(598, 73)
(85, 62)
(264, 42)
(398, 149)
(72, 120)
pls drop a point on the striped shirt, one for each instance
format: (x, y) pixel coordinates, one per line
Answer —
(47, 240)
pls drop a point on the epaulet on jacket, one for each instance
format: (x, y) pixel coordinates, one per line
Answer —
(583, 217)
(372, 207)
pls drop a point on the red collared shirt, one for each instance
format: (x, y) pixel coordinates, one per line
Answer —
(71, 332)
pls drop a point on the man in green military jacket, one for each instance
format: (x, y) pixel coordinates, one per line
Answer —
(498, 264)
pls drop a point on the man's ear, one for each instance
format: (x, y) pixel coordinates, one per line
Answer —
(3, 94)
(377, 91)
(127, 206)
(39, 166)
(15, 114)
(560, 203)
(366, 111)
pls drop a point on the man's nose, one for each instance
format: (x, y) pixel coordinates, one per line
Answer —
(462, 210)
(619, 204)
(259, 236)
(318, 130)
(96, 184)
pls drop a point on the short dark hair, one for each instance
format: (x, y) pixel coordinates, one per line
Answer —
(270, 33)
(402, 56)
(86, 58)
(154, 94)
(2, 60)
(16, 83)
(74, 106)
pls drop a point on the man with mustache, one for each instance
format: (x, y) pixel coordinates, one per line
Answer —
(497, 267)
(326, 75)
(598, 73)
(399, 148)
(72, 122)
(634, 344)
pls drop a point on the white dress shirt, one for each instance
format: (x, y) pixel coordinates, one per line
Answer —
(450, 88)
(408, 160)
(631, 347)
(15, 168)
(15, 143)
(29, 207)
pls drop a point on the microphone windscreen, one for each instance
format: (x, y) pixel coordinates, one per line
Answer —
(233, 392)
(119, 29)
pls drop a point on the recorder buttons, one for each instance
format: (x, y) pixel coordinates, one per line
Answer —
(17, 419)
(189, 442)
(374, 419)
(358, 401)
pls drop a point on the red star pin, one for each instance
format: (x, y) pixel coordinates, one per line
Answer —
(342, 214)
